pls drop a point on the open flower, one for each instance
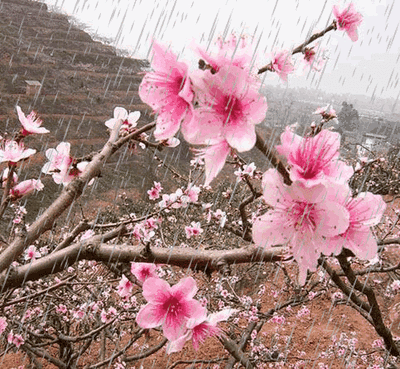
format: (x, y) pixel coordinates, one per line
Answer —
(313, 159)
(142, 271)
(169, 306)
(168, 91)
(229, 108)
(128, 120)
(365, 210)
(348, 20)
(199, 329)
(125, 287)
(282, 64)
(303, 216)
(231, 51)
(193, 230)
(32, 253)
(14, 151)
(61, 165)
(30, 124)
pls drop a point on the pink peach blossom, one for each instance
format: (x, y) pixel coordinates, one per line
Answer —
(61, 165)
(25, 188)
(169, 306)
(365, 210)
(168, 91)
(313, 159)
(3, 324)
(303, 216)
(231, 51)
(14, 151)
(313, 58)
(128, 120)
(348, 20)
(282, 64)
(32, 253)
(30, 124)
(125, 287)
(108, 316)
(199, 329)
(153, 193)
(192, 192)
(18, 340)
(142, 271)
(246, 171)
(193, 230)
(229, 108)
(214, 157)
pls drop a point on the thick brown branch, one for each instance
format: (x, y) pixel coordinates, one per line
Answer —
(94, 250)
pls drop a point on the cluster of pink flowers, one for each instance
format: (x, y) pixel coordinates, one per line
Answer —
(16, 339)
(217, 106)
(180, 198)
(13, 151)
(181, 317)
(317, 213)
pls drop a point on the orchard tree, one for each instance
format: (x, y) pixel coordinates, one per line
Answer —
(124, 290)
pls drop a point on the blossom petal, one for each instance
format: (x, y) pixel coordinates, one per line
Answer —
(270, 229)
(367, 209)
(149, 317)
(155, 289)
(187, 288)
(214, 159)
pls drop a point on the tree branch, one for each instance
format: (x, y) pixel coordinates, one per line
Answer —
(93, 249)
(69, 194)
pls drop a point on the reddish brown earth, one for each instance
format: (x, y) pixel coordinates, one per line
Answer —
(76, 69)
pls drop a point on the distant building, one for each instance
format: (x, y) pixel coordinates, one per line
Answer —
(371, 142)
(33, 87)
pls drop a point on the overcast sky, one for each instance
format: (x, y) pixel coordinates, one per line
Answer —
(368, 66)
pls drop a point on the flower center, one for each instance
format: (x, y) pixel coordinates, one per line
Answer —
(301, 214)
(230, 108)
(173, 306)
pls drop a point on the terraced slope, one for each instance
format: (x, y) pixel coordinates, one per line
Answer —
(83, 80)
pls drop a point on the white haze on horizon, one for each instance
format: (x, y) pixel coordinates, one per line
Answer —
(369, 66)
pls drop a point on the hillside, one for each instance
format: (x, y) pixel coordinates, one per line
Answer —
(82, 81)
